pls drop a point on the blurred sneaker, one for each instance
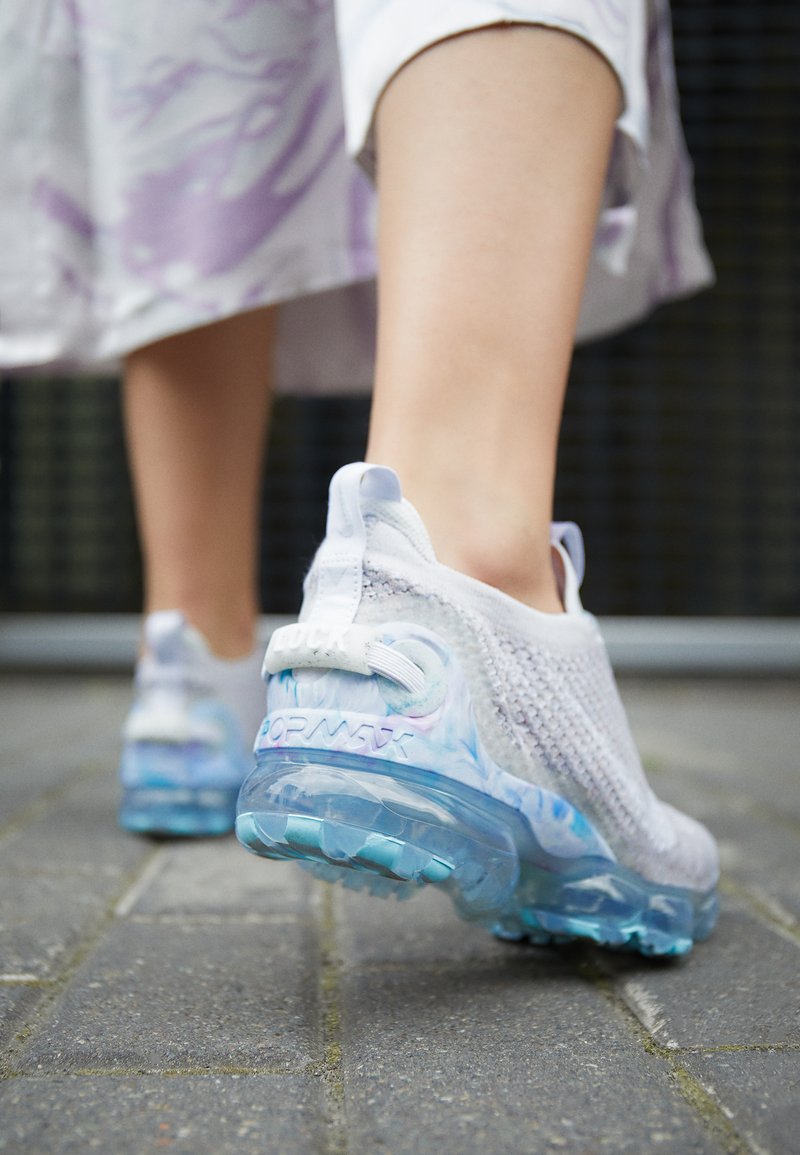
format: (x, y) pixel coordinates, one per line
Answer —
(188, 738)
(424, 728)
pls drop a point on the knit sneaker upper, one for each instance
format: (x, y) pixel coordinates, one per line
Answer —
(187, 694)
(541, 686)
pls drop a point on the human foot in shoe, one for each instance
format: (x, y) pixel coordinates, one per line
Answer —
(425, 728)
(187, 741)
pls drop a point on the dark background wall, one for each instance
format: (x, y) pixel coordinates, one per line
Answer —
(681, 447)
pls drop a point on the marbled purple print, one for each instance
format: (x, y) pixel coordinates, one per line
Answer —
(239, 8)
(659, 57)
(165, 165)
(150, 99)
(215, 231)
(72, 10)
(61, 207)
(72, 282)
(360, 222)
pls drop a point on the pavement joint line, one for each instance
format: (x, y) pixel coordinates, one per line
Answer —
(213, 918)
(49, 797)
(648, 1013)
(716, 1117)
(332, 1067)
(736, 1048)
(775, 908)
(710, 1111)
(158, 1072)
(58, 983)
(767, 814)
(477, 966)
(764, 910)
(140, 884)
(80, 872)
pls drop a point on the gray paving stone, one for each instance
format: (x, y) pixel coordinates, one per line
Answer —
(78, 832)
(738, 734)
(738, 988)
(521, 1057)
(761, 1090)
(16, 1001)
(451, 1042)
(217, 876)
(52, 727)
(211, 1115)
(424, 929)
(43, 917)
(167, 995)
(61, 872)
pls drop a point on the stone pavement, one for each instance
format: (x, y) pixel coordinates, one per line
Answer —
(191, 998)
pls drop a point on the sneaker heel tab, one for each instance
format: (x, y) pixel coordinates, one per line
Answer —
(350, 487)
(338, 565)
(164, 631)
(379, 483)
(350, 484)
(169, 638)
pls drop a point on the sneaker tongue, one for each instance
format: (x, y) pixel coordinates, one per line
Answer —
(163, 634)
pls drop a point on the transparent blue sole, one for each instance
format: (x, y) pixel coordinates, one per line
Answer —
(169, 812)
(174, 790)
(388, 828)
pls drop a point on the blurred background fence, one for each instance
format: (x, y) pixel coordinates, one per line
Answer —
(681, 446)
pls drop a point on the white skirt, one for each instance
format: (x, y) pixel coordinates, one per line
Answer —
(168, 165)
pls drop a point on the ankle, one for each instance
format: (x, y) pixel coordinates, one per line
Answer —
(229, 635)
(481, 523)
(524, 574)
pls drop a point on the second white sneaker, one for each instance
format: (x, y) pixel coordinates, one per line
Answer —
(188, 739)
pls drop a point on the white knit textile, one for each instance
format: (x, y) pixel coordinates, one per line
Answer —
(179, 667)
(543, 691)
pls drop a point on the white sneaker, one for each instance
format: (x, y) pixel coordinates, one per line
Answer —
(188, 737)
(425, 727)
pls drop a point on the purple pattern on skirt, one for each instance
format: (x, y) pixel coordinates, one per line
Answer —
(216, 231)
(165, 166)
(60, 207)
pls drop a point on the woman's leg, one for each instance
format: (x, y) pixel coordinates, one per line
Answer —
(196, 409)
(492, 153)
(492, 149)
